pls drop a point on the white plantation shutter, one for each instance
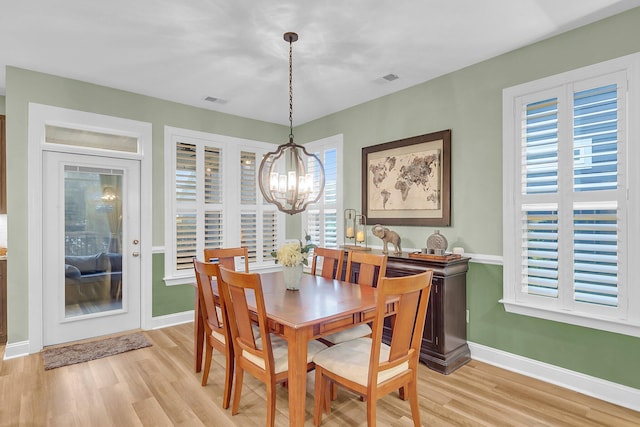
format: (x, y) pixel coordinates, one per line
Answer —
(213, 230)
(320, 219)
(269, 234)
(248, 178)
(595, 253)
(186, 180)
(185, 240)
(186, 192)
(567, 188)
(540, 251)
(217, 202)
(249, 233)
(540, 151)
(212, 175)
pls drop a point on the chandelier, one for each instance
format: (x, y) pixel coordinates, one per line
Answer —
(290, 177)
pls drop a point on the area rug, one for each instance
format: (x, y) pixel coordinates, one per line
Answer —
(83, 352)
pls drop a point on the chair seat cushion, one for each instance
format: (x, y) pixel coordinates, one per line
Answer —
(280, 353)
(356, 332)
(350, 360)
(220, 337)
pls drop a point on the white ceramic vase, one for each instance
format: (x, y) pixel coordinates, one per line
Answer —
(292, 276)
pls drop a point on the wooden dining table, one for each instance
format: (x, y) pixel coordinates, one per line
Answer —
(320, 307)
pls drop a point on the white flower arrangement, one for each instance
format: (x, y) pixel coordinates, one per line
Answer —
(293, 253)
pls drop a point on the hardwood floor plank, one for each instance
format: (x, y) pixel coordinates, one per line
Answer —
(156, 386)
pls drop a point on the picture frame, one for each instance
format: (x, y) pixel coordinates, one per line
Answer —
(408, 181)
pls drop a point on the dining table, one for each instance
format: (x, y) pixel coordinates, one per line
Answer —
(319, 307)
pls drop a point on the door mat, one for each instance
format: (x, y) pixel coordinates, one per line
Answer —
(83, 352)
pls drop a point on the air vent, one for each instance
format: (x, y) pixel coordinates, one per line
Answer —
(390, 77)
(215, 100)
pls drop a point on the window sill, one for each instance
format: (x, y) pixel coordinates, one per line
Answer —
(190, 279)
(587, 321)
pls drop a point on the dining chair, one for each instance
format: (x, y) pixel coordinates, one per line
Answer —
(331, 260)
(266, 358)
(215, 324)
(370, 269)
(226, 257)
(371, 368)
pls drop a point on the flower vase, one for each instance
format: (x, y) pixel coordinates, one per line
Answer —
(292, 276)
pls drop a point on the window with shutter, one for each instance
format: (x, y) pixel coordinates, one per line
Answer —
(203, 214)
(567, 195)
(320, 219)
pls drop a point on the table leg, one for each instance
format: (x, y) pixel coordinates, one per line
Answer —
(297, 340)
(198, 335)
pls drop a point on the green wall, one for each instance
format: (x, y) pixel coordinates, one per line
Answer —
(469, 102)
(25, 86)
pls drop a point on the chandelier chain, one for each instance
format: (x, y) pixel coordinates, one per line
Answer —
(290, 89)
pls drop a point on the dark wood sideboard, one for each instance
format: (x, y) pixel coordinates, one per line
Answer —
(444, 341)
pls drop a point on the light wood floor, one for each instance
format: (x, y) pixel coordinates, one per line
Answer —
(156, 386)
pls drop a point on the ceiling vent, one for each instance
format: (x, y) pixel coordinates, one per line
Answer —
(215, 100)
(390, 77)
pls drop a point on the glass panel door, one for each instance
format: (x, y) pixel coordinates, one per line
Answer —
(91, 259)
(93, 240)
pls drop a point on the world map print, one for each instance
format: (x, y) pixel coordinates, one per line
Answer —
(409, 181)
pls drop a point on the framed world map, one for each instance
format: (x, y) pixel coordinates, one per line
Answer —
(408, 181)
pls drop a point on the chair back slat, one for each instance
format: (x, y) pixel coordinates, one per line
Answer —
(332, 260)
(371, 268)
(226, 257)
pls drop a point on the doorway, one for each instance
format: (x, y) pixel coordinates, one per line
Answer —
(90, 254)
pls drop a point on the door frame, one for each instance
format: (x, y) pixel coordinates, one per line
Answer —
(39, 116)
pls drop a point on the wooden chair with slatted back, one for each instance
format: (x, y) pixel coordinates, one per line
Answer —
(371, 368)
(215, 325)
(332, 260)
(226, 257)
(371, 268)
(266, 358)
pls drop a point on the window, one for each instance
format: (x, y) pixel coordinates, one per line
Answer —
(323, 220)
(570, 199)
(213, 200)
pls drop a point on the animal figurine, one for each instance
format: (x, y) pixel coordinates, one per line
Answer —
(387, 236)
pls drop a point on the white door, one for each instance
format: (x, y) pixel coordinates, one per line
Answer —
(90, 253)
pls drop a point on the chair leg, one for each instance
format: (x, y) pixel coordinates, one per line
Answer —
(371, 411)
(412, 389)
(238, 390)
(334, 390)
(207, 363)
(271, 403)
(402, 393)
(328, 386)
(228, 380)
(319, 399)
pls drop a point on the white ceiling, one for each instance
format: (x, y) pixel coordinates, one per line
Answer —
(233, 50)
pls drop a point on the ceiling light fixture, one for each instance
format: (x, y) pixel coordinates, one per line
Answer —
(290, 177)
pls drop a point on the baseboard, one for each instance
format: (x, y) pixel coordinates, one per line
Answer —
(591, 386)
(16, 349)
(160, 322)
